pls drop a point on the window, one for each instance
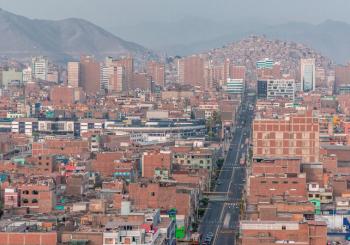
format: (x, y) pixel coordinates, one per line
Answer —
(25, 200)
(26, 192)
(35, 192)
(35, 200)
(153, 194)
(283, 227)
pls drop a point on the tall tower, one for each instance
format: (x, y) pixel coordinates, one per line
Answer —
(191, 70)
(89, 74)
(128, 65)
(157, 72)
(308, 74)
(73, 74)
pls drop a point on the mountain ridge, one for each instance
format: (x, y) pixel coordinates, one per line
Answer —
(62, 39)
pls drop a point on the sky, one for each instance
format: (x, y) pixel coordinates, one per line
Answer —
(188, 26)
(108, 13)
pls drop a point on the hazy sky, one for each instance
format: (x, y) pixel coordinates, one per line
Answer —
(124, 12)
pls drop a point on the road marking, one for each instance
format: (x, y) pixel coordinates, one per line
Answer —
(229, 187)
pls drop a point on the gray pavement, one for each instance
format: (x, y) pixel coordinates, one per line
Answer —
(222, 218)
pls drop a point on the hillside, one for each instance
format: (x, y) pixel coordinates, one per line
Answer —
(249, 50)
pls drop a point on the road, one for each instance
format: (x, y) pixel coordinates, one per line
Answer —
(222, 218)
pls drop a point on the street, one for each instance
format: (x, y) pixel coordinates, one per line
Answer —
(222, 218)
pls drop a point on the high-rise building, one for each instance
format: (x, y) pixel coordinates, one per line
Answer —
(191, 71)
(27, 75)
(128, 64)
(106, 77)
(40, 67)
(73, 74)
(234, 86)
(52, 76)
(89, 74)
(113, 76)
(268, 69)
(226, 69)
(141, 81)
(265, 64)
(262, 89)
(320, 77)
(157, 71)
(292, 136)
(280, 88)
(119, 82)
(308, 74)
(11, 75)
(342, 78)
(237, 72)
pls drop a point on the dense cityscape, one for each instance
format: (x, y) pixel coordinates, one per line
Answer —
(244, 144)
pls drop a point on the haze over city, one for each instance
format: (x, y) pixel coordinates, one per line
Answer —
(161, 122)
(185, 27)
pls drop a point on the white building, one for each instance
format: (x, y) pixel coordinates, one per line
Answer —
(40, 68)
(112, 76)
(106, 77)
(27, 75)
(281, 88)
(308, 74)
(234, 86)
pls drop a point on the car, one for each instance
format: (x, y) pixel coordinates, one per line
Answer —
(211, 234)
(208, 240)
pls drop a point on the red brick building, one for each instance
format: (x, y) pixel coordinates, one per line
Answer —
(271, 185)
(157, 72)
(106, 162)
(191, 70)
(291, 136)
(58, 146)
(272, 232)
(43, 164)
(154, 195)
(89, 74)
(62, 95)
(153, 160)
(39, 197)
(28, 238)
